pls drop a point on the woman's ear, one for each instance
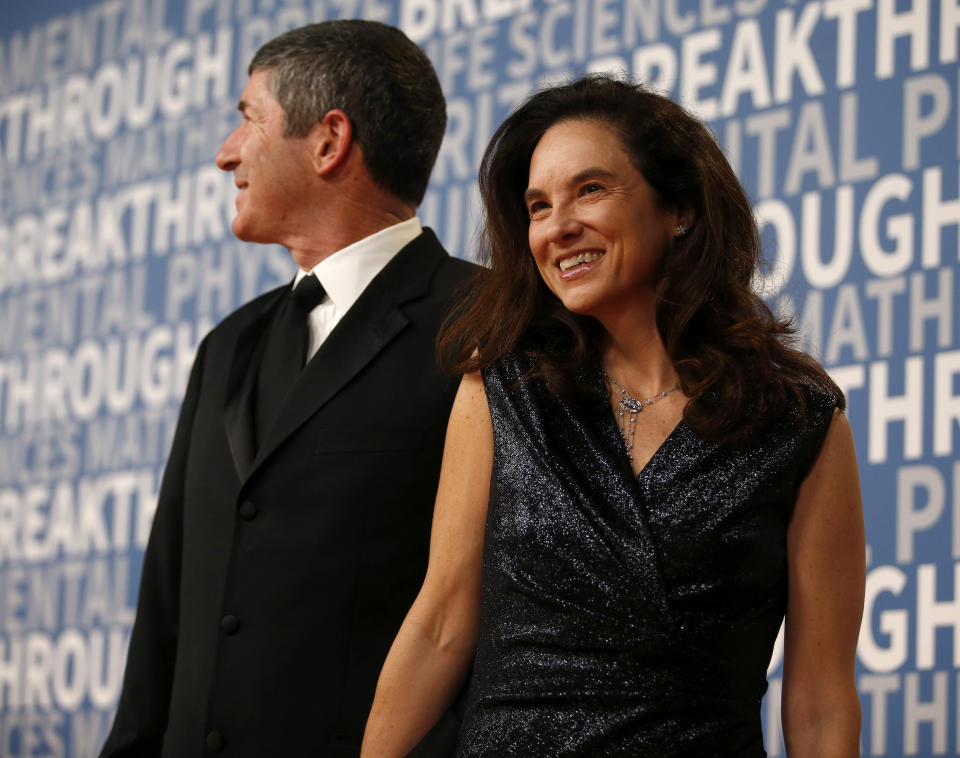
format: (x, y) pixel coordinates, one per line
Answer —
(685, 221)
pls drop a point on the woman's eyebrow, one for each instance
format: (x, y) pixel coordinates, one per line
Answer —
(594, 172)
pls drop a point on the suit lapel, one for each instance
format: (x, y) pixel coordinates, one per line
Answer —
(241, 392)
(371, 324)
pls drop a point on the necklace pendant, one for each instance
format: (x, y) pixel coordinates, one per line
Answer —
(629, 406)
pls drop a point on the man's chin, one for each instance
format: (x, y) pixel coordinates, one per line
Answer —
(246, 233)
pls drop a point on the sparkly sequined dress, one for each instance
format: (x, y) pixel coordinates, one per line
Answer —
(622, 615)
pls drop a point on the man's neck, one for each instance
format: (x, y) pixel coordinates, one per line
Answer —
(354, 220)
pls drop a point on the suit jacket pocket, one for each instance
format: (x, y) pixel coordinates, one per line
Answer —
(358, 439)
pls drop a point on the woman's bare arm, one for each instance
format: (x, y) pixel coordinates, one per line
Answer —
(825, 544)
(431, 656)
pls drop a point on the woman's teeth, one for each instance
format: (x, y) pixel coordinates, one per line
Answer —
(575, 260)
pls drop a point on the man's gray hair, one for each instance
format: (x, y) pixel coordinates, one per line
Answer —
(377, 76)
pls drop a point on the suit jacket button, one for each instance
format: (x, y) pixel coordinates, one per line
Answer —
(215, 741)
(229, 624)
(247, 510)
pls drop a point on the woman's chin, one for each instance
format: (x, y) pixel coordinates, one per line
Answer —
(579, 304)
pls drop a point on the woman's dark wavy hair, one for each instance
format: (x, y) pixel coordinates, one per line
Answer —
(734, 358)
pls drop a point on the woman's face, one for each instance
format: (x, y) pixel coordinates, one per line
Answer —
(596, 230)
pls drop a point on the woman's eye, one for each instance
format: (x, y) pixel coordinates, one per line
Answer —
(537, 207)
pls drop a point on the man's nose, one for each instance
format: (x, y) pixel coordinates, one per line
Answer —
(228, 156)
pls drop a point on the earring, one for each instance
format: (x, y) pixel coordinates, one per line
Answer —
(681, 230)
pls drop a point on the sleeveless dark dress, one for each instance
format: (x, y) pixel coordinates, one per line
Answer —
(622, 615)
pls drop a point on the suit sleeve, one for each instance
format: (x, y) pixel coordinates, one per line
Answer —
(141, 716)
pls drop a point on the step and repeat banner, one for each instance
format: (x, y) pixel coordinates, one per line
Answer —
(116, 256)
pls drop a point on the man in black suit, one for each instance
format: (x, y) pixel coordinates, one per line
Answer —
(293, 522)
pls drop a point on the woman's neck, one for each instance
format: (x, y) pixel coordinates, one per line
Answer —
(637, 358)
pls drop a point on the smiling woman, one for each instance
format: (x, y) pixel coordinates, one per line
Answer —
(641, 475)
(596, 232)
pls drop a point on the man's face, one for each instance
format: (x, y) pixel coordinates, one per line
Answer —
(273, 172)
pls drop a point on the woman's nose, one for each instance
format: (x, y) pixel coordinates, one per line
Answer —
(563, 225)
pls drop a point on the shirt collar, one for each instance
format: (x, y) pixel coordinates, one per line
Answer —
(346, 273)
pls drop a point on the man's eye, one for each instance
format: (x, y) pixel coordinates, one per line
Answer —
(592, 187)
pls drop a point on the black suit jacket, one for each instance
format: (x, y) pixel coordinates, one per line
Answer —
(276, 576)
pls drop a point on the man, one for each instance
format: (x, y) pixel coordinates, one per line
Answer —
(293, 522)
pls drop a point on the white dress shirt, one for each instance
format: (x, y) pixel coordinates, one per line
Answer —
(346, 274)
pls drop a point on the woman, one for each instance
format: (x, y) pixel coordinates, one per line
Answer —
(642, 470)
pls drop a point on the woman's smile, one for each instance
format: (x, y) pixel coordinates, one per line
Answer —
(579, 263)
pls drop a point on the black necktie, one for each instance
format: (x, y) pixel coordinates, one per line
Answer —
(286, 351)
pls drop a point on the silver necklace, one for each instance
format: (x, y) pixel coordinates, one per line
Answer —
(629, 406)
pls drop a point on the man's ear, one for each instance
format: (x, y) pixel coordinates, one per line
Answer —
(333, 138)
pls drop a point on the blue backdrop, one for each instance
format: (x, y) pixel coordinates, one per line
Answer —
(841, 117)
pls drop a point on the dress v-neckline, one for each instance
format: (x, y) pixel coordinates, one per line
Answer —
(656, 453)
(609, 420)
